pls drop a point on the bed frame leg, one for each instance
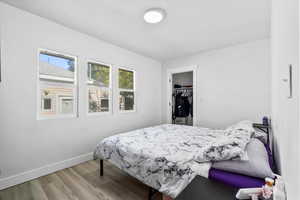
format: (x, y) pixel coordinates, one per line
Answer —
(151, 194)
(101, 167)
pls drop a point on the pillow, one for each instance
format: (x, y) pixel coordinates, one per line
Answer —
(248, 126)
(245, 128)
(262, 136)
(244, 125)
(257, 164)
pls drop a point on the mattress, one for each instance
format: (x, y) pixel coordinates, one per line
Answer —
(235, 180)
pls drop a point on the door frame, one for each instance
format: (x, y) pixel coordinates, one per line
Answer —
(177, 70)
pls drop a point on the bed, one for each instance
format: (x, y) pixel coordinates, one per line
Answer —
(169, 157)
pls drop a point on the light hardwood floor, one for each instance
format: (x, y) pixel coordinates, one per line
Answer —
(81, 182)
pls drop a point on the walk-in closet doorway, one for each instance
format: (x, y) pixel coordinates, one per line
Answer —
(181, 92)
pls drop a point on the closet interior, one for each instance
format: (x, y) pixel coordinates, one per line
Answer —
(182, 101)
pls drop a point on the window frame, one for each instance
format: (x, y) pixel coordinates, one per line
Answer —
(127, 90)
(44, 80)
(109, 88)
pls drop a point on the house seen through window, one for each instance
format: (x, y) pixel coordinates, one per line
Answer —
(99, 88)
(57, 83)
(126, 90)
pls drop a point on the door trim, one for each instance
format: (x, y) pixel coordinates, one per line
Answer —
(177, 70)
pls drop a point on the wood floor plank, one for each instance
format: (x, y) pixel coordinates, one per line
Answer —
(52, 190)
(81, 182)
(8, 194)
(37, 191)
(55, 180)
(23, 191)
(79, 186)
(93, 177)
(116, 175)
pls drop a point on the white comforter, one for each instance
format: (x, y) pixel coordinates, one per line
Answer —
(168, 157)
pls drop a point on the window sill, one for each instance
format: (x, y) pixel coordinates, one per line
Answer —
(41, 118)
(96, 114)
(127, 111)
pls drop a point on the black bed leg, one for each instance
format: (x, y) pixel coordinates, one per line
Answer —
(101, 167)
(150, 194)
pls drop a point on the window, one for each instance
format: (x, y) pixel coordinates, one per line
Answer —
(57, 85)
(126, 90)
(99, 88)
(47, 105)
(66, 105)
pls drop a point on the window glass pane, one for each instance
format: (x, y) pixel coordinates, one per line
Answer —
(98, 99)
(126, 100)
(126, 79)
(56, 65)
(98, 74)
(47, 104)
(66, 105)
(56, 99)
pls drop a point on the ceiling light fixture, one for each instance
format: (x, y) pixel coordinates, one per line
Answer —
(154, 15)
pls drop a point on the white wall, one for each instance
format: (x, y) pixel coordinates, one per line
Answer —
(232, 83)
(25, 142)
(285, 111)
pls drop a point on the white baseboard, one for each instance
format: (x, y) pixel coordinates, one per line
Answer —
(42, 171)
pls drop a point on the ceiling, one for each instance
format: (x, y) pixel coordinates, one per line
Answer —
(191, 26)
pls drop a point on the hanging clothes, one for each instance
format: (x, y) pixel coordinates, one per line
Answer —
(182, 105)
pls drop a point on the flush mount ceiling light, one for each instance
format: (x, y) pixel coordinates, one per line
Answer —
(154, 15)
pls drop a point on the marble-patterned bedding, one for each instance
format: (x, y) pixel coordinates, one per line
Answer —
(168, 157)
